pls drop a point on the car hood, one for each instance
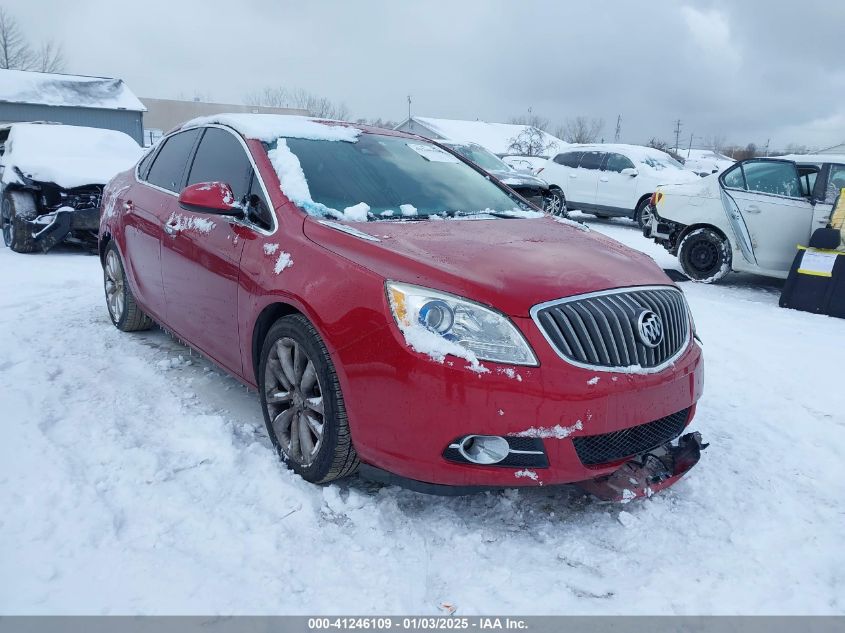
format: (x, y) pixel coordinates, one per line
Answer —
(509, 264)
(516, 179)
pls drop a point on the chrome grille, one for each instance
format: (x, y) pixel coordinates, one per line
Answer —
(600, 330)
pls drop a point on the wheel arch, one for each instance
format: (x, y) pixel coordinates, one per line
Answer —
(645, 196)
(266, 318)
(701, 225)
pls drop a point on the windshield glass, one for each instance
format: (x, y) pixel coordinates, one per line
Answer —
(392, 177)
(662, 162)
(481, 157)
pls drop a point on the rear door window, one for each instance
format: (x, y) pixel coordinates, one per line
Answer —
(168, 169)
(835, 183)
(220, 157)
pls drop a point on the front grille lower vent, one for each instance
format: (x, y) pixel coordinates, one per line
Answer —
(601, 330)
(611, 447)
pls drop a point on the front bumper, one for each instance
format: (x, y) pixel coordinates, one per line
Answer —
(51, 229)
(406, 410)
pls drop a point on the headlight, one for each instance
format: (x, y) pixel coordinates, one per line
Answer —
(437, 323)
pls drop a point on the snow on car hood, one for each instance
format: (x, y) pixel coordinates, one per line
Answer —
(510, 264)
(516, 179)
(70, 156)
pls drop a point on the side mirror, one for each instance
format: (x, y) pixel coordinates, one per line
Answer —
(629, 171)
(210, 197)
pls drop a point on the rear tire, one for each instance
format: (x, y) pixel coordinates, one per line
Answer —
(302, 403)
(123, 309)
(642, 214)
(705, 256)
(18, 207)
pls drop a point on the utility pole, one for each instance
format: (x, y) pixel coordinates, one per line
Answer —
(409, 112)
(677, 135)
(767, 147)
(690, 144)
(618, 129)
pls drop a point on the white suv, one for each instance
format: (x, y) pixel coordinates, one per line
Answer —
(613, 180)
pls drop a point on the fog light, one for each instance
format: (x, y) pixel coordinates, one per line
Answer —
(484, 449)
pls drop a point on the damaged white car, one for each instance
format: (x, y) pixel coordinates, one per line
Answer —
(750, 218)
(51, 181)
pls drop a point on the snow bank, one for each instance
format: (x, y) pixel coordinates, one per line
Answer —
(67, 155)
(269, 127)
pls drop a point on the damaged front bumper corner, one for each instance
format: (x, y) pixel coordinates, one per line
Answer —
(51, 229)
(648, 473)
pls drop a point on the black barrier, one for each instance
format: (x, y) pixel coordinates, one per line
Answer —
(534, 624)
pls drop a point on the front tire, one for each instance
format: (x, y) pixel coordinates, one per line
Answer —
(303, 406)
(642, 214)
(18, 207)
(555, 202)
(123, 309)
(705, 256)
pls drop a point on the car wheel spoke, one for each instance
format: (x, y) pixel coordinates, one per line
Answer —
(295, 450)
(276, 396)
(315, 404)
(314, 424)
(306, 442)
(309, 378)
(286, 352)
(282, 423)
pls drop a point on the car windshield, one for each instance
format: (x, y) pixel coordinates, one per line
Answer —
(662, 162)
(481, 157)
(393, 177)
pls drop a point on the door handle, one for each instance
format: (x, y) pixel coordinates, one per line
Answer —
(604, 179)
(753, 209)
(170, 229)
(128, 206)
(573, 175)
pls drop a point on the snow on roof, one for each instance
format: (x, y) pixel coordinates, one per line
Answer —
(269, 127)
(496, 137)
(813, 158)
(21, 86)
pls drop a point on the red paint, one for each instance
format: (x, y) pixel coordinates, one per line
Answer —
(404, 409)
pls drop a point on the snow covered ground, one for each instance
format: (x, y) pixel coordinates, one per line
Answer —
(136, 478)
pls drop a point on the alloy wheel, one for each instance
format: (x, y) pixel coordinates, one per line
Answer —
(644, 218)
(114, 281)
(294, 399)
(8, 225)
(554, 204)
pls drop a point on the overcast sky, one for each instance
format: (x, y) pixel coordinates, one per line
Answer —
(747, 70)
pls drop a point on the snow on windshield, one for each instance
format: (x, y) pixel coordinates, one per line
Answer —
(68, 155)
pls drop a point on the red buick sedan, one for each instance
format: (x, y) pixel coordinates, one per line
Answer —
(402, 313)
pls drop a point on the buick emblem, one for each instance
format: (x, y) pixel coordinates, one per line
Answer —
(650, 328)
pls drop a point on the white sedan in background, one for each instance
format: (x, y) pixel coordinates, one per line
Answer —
(612, 179)
(750, 218)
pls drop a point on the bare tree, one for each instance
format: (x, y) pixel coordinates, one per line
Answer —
(16, 53)
(580, 130)
(385, 124)
(663, 146)
(530, 142)
(51, 57)
(317, 106)
(532, 120)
